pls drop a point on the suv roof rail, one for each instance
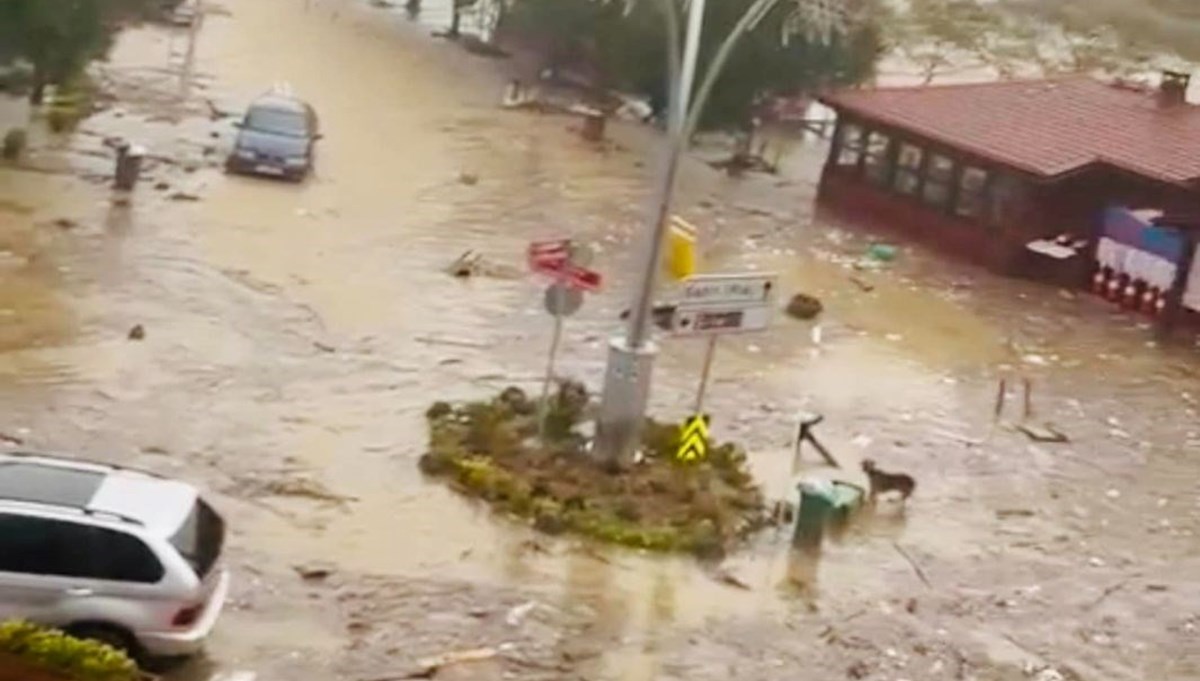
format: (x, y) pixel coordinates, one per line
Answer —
(83, 510)
(89, 462)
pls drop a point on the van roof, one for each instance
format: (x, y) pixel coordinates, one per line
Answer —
(158, 504)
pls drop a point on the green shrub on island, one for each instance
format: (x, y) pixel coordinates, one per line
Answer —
(491, 450)
(57, 653)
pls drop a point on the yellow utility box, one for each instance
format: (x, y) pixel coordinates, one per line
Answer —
(680, 262)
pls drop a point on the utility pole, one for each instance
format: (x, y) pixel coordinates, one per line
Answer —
(187, 70)
(631, 359)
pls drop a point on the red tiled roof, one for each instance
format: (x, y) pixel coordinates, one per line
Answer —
(1044, 127)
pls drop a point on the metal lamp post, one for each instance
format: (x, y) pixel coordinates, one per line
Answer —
(631, 359)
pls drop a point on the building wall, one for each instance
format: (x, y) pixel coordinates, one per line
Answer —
(849, 198)
(1075, 202)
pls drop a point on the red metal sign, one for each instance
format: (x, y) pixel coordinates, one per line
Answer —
(553, 259)
(581, 278)
(549, 257)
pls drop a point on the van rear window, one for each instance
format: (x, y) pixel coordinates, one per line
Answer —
(201, 538)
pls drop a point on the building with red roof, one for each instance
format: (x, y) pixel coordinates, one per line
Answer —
(1012, 173)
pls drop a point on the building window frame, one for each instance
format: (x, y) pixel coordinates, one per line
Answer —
(971, 200)
(908, 174)
(879, 160)
(854, 150)
(944, 185)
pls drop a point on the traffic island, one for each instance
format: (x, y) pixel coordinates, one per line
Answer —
(492, 450)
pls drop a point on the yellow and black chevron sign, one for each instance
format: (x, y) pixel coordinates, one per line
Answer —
(693, 442)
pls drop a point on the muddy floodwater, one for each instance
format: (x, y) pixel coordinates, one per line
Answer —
(295, 334)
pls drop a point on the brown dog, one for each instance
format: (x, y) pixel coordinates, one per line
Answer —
(882, 482)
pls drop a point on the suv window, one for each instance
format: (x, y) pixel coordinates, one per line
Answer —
(41, 546)
(201, 538)
(121, 557)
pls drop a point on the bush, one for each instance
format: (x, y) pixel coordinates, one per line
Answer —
(62, 118)
(15, 141)
(59, 653)
(487, 450)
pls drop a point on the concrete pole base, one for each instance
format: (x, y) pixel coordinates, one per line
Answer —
(623, 403)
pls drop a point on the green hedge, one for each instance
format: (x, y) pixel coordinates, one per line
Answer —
(59, 653)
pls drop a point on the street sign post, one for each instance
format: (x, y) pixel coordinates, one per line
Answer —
(714, 305)
(565, 262)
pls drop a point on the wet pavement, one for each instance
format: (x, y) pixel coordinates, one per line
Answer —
(295, 335)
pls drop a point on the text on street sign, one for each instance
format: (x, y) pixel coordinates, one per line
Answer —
(724, 289)
(720, 320)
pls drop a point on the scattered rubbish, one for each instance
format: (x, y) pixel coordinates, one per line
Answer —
(858, 670)
(1111, 590)
(324, 347)
(156, 450)
(1095, 561)
(137, 333)
(864, 286)
(816, 335)
(916, 568)
(755, 210)
(803, 306)
(729, 579)
(519, 613)
(453, 342)
(428, 668)
(1014, 513)
(10, 439)
(894, 337)
(1043, 433)
(472, 263)
(300, 487)
(882, 252)
(235, 676)
(469, 179)
(314, 573)
(1113, 494)
(183, 196)
(162, 186)
(753, 349)
(1049, 674)
(1035, 360)
(65, 223)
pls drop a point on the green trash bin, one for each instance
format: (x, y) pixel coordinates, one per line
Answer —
(823, 503)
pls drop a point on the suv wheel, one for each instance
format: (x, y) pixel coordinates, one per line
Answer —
(109, 635)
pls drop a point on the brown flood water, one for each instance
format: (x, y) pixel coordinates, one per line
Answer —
(244, 292)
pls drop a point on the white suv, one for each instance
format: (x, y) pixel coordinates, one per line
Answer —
(111, 554)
